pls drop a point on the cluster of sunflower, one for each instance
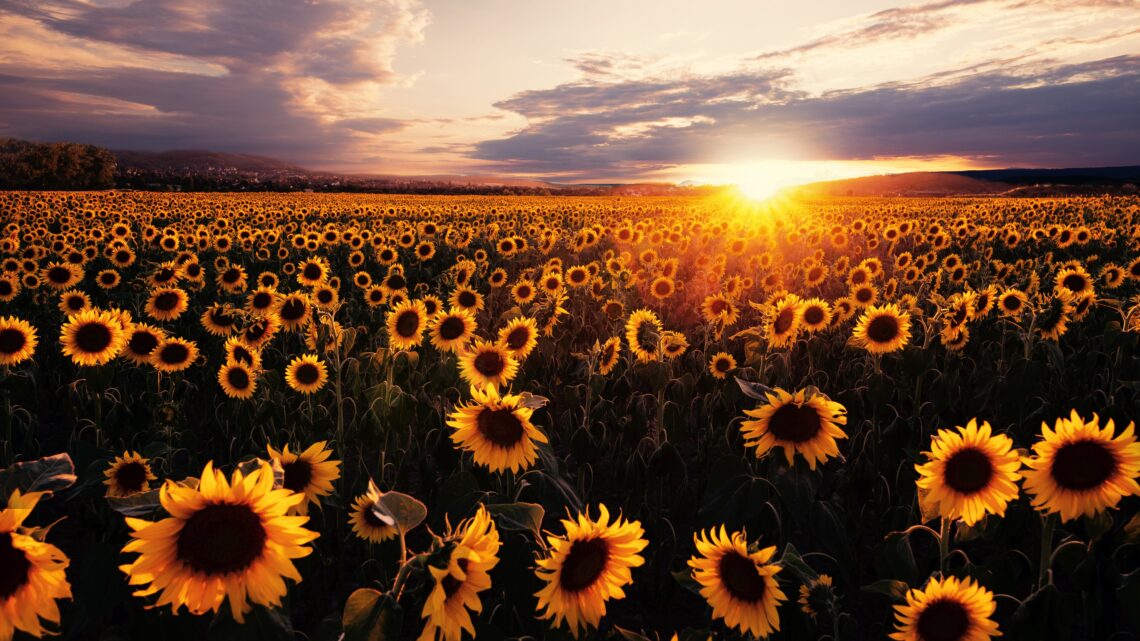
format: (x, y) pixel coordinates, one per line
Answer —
(254, 306)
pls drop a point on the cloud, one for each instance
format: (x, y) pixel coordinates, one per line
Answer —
(272, 76)
(1038, 115)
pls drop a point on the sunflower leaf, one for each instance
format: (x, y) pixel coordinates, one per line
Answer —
(405, 511)
(371, 616)
(757, 391)
(48, 474)
(136, 505)
(891, 587)
(519, 516)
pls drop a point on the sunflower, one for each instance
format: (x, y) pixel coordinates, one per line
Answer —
(782, 320)
(1080, 469)
(457, 586)
(523, 292)
(167, 303)
(259, 332)
(947, 609)
(487, 363)
(496, 429)
(815, 315)
(806, 422)
(739, 584)
(295, 311)
(224, 540)
(237, 380)
(365, 520)
(673, 344)
(519, 337)
(237, 351)
(306, 373)
(818, 595)
(452, 330)
(309, 473)
(312, 272)
(882, 329)
(643, 333)
(1012, 302)
(141, 341)
(73, 302)
(971, 473)
(608, 354)
(466, 298)
(588, 566)
(662, 287)
(62, 275)
(174, 355)
(220, 320)
(18, 341)
(32, 572)
(721, 364)
(262, 301)
(1052, 321)
(92, 337)
(128, 474)
(1074, 279)
(406, 324)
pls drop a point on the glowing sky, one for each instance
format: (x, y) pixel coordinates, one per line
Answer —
(613, 90)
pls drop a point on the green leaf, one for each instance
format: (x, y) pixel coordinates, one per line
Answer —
(519, 516)
(403, 511)
(48, 474)
(371, 616)
(896, 590)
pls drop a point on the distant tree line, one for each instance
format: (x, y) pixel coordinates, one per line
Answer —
(57, 165)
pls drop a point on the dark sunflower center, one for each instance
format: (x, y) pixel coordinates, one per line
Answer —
(325, 296)
(451, 584)
(451, 328)
(815, 274)
(59, 274)
(311, 271)
(718, 307)
(489, 363)
(12, 341)
(500, 426)
(237, 377)
(795, 423)
(231, 276)
(297, 475)
(722, 365)
(662, 288)
(943, 620)
(174, 354)
(93, 338)
(14, 567)
(262, 300)
(813, 315)
(518, 338)
(396, 281)
(863, 295)
(222, 319)
(131, 476)
(407, 324)
(1073, 282)
(784, 321)
(1083, 465)
(166, 301)
(466, 299)
(307, 374)
(221, 538)
(584, 564)
(523, 292)
(883, 329)
(968, 471)
(293, 310)
(143, 343)
(741, 578)
(1011, 303)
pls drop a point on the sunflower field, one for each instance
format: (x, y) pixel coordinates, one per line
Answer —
(370, 417)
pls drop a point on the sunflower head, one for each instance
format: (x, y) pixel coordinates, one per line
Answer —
(471, 554)
(738, 581)
(32, 572)
(807, 422)
(497, 430)
(883, 329)
(971, 472)
(946, 609)
(128, 474)
(309, 473)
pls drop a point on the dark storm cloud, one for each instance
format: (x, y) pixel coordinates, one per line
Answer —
(254, 93)
(1065, 115)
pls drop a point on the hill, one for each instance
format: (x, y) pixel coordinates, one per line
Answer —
(1007, 182)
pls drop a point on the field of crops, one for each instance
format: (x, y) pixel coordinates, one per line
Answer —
(281, 416)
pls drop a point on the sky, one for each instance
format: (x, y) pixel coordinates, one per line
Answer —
(589, 91)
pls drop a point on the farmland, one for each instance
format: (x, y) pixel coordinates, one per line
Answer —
(568, 417)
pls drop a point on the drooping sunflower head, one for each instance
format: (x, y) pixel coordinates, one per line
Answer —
(588, 566)
(367, 520)
(807, 422)
(739, 584)
(883, 329)
(643, 334)
(1055, 313)
(309, 473)
(306, 373)
(18, 340)
(92, 337)
(456, 586)
(1079, 468)
(497, 430)
(128, 474)
(609, 353)
(783, 320)
(486, 363)
(946, 609)
(226, 539)
(32, 572)
(220, 320)
(971, 472)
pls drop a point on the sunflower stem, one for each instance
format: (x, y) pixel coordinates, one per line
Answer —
(944, 545)
(1048, 523)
